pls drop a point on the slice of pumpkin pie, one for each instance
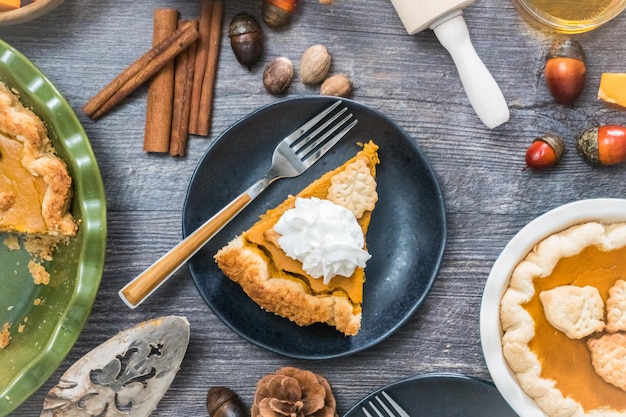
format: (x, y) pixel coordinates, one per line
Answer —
(305, 259)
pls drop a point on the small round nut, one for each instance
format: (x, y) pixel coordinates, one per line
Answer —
(338, 85)
(314, 64)
(278, 75)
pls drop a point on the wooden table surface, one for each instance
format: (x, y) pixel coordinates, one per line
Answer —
(489, 195)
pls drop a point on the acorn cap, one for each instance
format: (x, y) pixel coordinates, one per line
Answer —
(587, 145)
(555, 142)
(243, 23)
(274, 15)
(566, 48)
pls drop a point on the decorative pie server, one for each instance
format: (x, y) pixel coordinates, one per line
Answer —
(126, 376)
(445, 18)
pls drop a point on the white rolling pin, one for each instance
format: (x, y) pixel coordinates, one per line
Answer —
(445, 18)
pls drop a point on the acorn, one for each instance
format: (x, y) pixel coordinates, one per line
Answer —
(246, 39)
(277, 13)
(565, 70)
(603, 145)
(545, 152)
(224, 402)
(278, 75)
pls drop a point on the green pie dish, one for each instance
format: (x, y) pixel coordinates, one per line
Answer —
(42, 335)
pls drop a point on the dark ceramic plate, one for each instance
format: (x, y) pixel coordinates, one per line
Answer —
(406, 237)
(442, 395)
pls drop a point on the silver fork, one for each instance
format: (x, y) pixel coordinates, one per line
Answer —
(390, 407)
(293, 155)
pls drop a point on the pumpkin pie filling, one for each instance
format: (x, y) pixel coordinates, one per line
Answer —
(22, 193)
(568, 361)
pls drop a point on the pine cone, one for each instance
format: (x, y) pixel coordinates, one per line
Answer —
(293, 392)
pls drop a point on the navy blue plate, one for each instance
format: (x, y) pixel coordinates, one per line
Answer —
(442, 395)
(406, 238)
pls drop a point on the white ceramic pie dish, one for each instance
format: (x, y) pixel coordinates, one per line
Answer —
(605, 210)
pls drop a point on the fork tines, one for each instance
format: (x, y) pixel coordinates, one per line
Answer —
(312, 138)
(386, 407)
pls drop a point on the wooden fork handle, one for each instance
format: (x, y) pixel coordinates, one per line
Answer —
(148, 281)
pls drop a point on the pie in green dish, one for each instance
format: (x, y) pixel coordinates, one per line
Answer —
(50, 317)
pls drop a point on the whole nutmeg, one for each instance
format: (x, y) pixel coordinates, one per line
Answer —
(277, 13)
(224, 402)
(293, 392)
(338, 85)
(278, 75)
(565, 70)
(314, 64)
(246, 39)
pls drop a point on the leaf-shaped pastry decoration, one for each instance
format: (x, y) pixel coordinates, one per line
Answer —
(354, 188)
(576, 311)
(616, 307)
(125, 376)
(608, 356)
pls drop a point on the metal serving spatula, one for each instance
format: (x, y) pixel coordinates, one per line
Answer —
(126, 376)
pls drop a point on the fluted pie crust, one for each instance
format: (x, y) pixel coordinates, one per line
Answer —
(35, 186)
(279, 284)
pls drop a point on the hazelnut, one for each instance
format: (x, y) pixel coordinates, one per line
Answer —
(338, 85)
(314, 65)
(278, 75)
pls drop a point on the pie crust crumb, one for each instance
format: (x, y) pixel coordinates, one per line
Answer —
(12, 242)
(5, 335)
(39, 273)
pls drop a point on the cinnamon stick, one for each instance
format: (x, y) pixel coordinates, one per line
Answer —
(161, 89)
(183, 84)
(206, 8)
(208, 82)
(140, 71)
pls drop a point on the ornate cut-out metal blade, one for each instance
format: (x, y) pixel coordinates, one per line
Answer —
(126, 376)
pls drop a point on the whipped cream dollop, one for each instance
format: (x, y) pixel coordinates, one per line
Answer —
(324, 236)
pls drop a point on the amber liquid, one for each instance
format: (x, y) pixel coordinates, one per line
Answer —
(570, 16)
(571, 11)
